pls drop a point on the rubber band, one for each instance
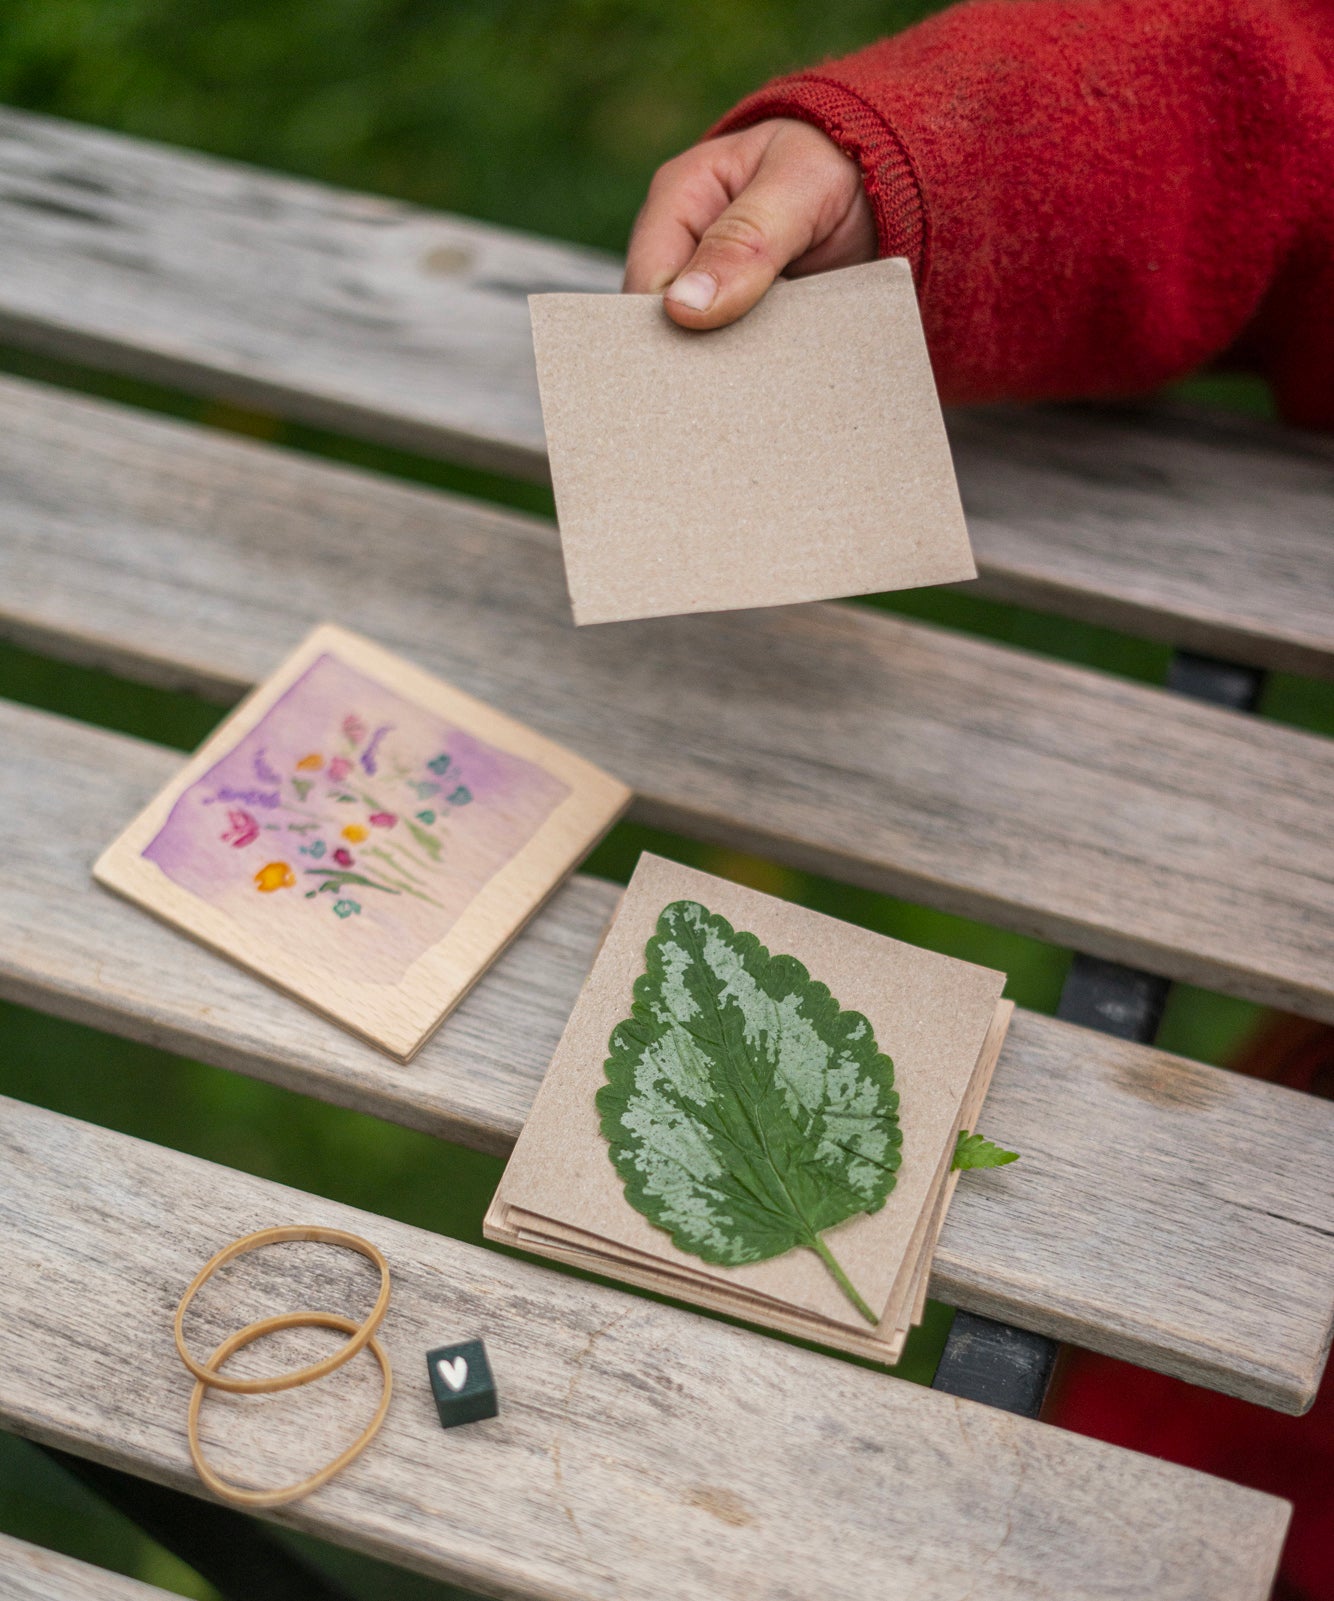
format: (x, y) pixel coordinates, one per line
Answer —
(361, 1333)
(238, 1494)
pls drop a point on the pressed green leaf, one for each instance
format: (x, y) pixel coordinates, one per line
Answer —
(746, 1111)
(972, 1150)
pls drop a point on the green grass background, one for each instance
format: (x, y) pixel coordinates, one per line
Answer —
(549, 118)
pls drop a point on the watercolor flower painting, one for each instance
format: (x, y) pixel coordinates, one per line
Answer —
(353, 823)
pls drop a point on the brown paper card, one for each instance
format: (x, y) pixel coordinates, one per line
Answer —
(363, 836)
(904, 1308)
(897, 1310)
(972, 1113)
(883, 1345)
(798, 454)
(932, 1014)
(873, 1345)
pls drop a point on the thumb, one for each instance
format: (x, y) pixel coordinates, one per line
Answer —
(770, 223)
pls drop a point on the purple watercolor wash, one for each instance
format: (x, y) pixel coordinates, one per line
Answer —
(268, 798)
(408, 884)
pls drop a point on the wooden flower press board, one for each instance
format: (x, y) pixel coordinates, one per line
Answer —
(942, 1021)
(364, 837)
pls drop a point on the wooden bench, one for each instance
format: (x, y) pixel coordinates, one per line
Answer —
(411, 328)
(32, 1573)
(1165, 1211)
(1128, 822)
(641, 1450)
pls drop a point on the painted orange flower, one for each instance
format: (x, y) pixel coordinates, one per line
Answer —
(311, 763)
(272, 876)
(354, 833)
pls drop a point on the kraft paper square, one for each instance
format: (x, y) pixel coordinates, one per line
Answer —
(797, 455)
(933, 1015)
(363, 836)
(884, 1344)
(924, 1236)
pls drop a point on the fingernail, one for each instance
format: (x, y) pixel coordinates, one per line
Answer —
(696, 291)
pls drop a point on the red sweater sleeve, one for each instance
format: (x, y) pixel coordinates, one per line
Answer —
(1097, 196)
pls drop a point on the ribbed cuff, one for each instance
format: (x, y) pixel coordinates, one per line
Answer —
(861, 132)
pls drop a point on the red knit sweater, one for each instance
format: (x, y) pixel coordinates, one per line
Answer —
(1097, 196)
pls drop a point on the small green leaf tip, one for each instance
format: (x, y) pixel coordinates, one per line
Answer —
(973, 1151)
(746, 1112)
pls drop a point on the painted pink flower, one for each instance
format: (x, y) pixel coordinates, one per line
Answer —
(339, 768)
(382, 819)
(343, 856)
(244, 830)
(354, 728)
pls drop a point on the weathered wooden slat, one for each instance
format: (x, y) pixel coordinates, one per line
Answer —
(32, 1573)
(1169, 1213)
(342, 310)
(1207, 531)
(1128, 823)
(641, 1451)
(411, 327)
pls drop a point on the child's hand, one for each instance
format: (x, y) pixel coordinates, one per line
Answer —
(725, 218)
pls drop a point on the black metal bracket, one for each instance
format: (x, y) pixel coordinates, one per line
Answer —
(1218, 682)
(992, 1362)
(1113, 999)
(988, 1361)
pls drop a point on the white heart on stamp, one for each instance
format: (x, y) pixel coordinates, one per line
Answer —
(455, 1373)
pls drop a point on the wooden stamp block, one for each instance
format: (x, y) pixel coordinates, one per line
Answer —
(461, 1383)
(363, 836)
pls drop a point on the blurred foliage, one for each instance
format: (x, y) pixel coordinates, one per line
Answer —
(40, 1502)
(1303, 702)
(1235, 391)
(547, 118)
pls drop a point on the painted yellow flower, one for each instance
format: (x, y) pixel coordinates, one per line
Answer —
(311, 763)
(354, 833)
(272, 876)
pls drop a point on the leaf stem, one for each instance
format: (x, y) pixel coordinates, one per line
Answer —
(402, 882)
(841, 1279)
